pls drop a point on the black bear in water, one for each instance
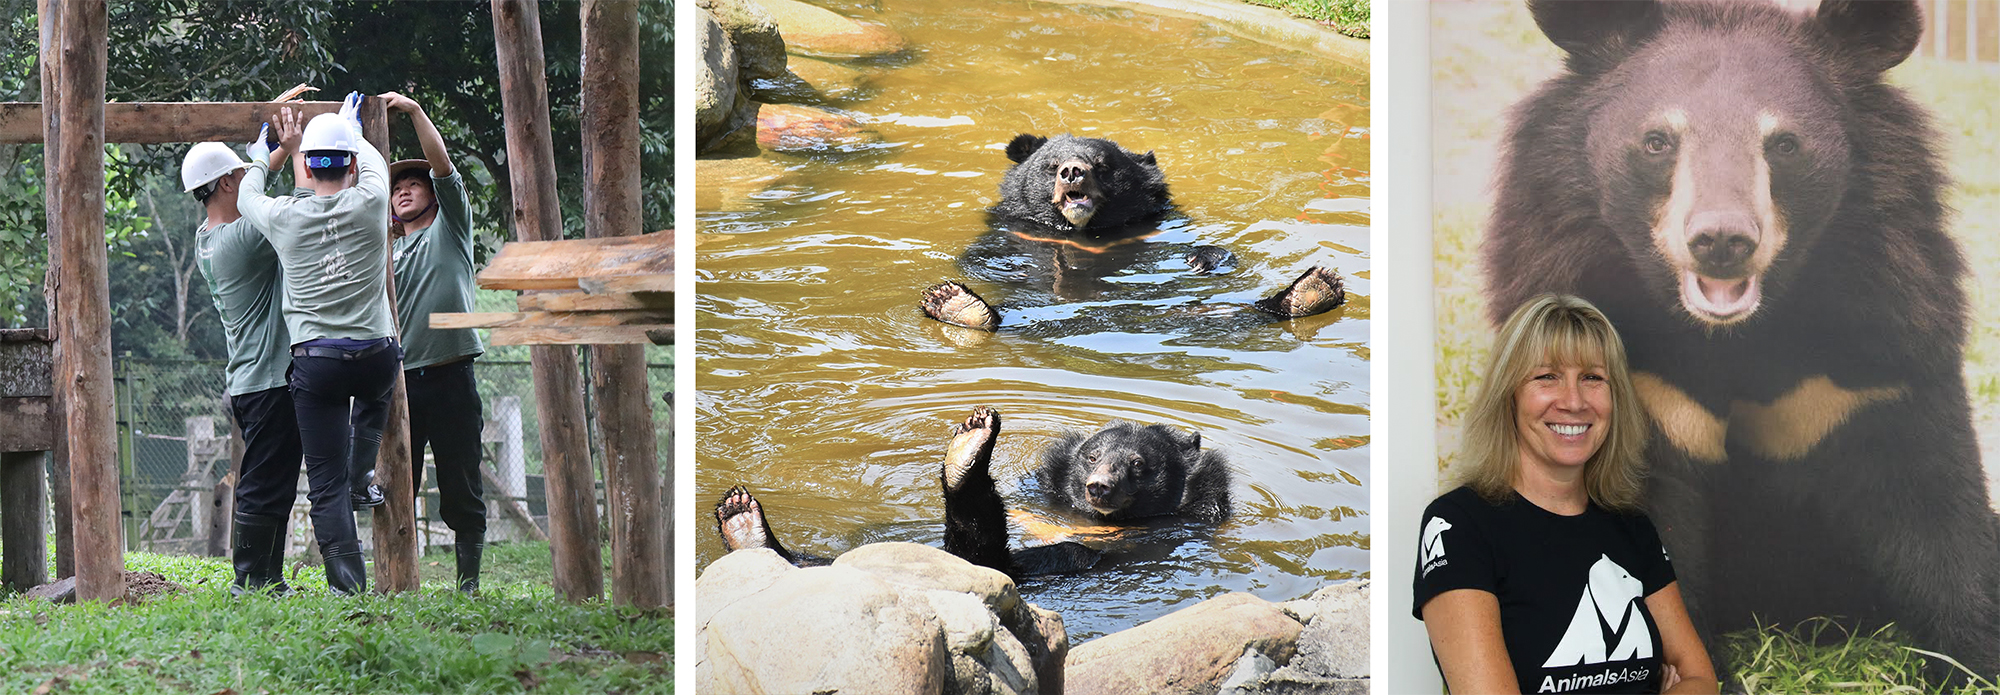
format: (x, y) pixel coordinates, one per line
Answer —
(1077, 208)
(1759, 214)
(1122, 473)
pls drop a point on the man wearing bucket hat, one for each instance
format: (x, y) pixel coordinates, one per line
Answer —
(432, 220)
(331, 241)
(247, 287)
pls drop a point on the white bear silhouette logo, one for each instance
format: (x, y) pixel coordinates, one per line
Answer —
(1609, 609)
(1433, 547)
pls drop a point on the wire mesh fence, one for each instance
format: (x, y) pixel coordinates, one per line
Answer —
(176, 444)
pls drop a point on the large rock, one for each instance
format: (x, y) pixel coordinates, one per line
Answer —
(813, 31)
(794, 128)
(1332, 654)
(1188, 652)
(733, 185)
(885, 618)
(717, 96)
(760, 49)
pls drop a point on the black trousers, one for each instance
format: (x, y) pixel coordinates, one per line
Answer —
(269, 478)
(321, 389)
(445, 412)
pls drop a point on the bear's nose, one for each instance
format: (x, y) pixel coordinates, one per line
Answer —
(1722, 243)
(1073, 172)
(1097, 490)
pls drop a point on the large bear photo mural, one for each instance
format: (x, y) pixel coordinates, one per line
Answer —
(1760, 197)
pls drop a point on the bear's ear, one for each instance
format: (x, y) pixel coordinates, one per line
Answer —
(1147, 158)
(1878, 34)
(1596, 32)
(1024, 145)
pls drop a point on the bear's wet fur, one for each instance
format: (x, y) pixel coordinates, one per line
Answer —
(1129, 471)
(1829, 278)
(1171, 476)
(1083, 186)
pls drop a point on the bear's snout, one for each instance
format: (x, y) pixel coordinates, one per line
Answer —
(1722, 244)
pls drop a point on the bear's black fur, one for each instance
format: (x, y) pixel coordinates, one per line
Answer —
(1084, 186)
(1123, 473)
(1129, 471)
(1758, 213)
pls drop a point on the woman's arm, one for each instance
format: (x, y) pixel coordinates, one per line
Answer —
(1680, 646)
(1464, 625)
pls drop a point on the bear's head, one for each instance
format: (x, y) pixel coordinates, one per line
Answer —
(1132, 470)
(1717, 132)
(1070, 183)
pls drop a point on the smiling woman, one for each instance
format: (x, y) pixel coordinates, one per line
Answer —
(1532, 574)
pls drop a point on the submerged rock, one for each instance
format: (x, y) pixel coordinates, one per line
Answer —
(813, 31)
(793, 128)
(884, 618)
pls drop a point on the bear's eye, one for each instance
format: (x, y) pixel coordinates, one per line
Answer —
(1091, 457)
(1785, 144)
(1658, 143)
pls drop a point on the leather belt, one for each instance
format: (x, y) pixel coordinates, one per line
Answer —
(338, 353)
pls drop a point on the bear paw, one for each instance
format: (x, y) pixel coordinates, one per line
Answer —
(741, 521)
(1205, 260)
(971, 447)
(955, 304)
(1318, 290)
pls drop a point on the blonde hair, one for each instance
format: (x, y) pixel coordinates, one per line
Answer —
(1561, 330)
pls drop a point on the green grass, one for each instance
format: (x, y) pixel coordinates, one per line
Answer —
(1819, 656)
(1348, 17)
(516, 636)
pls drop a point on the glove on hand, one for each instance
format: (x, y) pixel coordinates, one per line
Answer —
(259, 149)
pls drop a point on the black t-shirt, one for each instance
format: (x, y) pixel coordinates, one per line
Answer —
(1571, 588)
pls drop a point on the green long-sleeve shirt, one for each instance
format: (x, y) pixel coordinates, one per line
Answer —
(434, 274)
(248, 289)
(334, 250)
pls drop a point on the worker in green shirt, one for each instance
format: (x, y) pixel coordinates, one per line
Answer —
(432, 221)
(333, 244)
(244, 281)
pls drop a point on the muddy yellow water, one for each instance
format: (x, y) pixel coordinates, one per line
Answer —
(827, 393)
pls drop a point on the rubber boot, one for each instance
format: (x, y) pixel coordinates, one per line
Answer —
(275, 577)
(469, 548)
(362, 447)
(250, 551)
(346, 572)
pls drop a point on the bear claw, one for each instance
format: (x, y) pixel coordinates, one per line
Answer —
(955, 304)
(971, 447)
(740, 520)
(1317, 290)
(1205, 260)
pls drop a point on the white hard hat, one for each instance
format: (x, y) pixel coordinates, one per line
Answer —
(208, 161)
(329, 131)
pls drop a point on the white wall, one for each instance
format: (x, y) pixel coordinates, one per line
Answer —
(1406, 396)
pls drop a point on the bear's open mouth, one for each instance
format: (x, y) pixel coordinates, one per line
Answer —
(1078, 208)
(1719, 301)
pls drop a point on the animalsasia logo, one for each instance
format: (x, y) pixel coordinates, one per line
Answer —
(1433, 548)
(1608, 614)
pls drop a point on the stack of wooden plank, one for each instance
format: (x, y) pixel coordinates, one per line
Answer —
(609, 291)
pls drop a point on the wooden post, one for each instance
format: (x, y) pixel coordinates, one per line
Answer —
(395, 522)
(59, 496)
(83, 291)
(640, 573)
(25, 563)
(571, 488)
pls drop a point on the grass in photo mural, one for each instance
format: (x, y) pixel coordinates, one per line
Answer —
(1471, 89)
(515, 636)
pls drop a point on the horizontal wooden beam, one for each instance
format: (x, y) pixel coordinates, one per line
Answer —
(663, 282)
(152, 122)
(661, 336)
(581, 301)
(559, 265)
(576, 335)
(31, 424)
(552, 319)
